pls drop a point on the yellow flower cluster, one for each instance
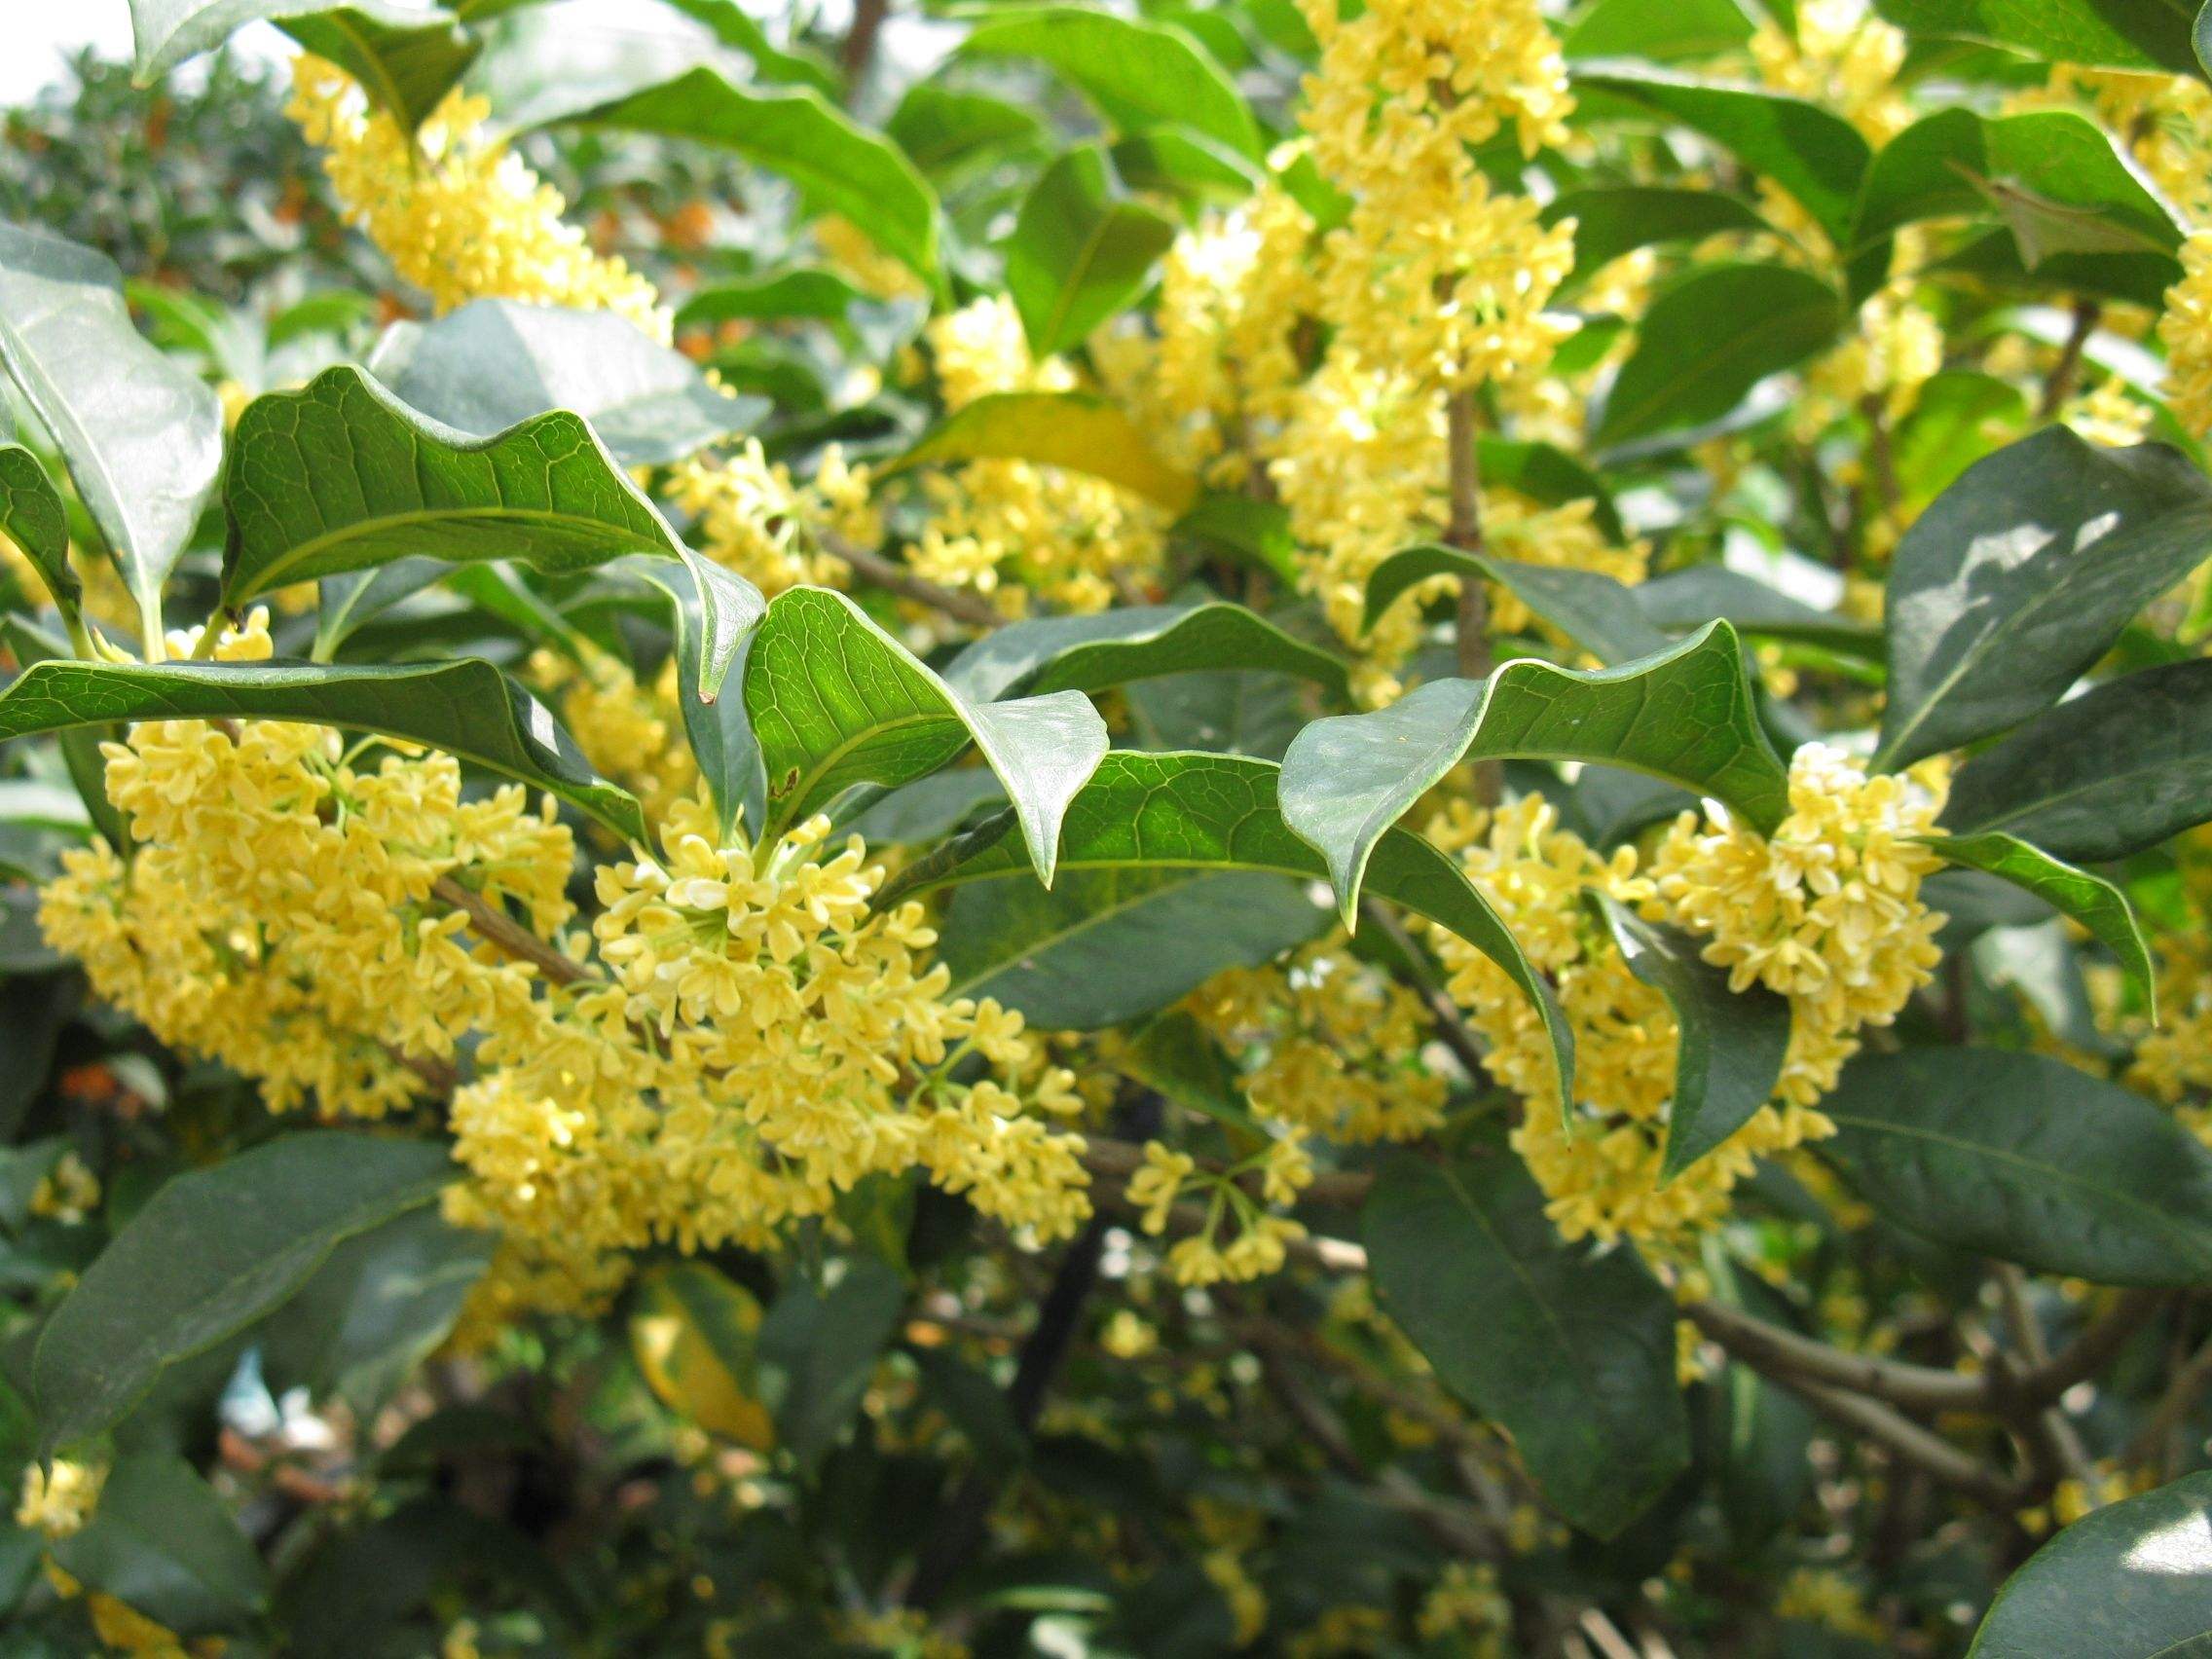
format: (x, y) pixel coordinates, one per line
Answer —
(752, 517)
(57, 1501)
(1433, 272)
(631, 733)
(751, 1040)
(1262, 1237)
(458, 214)
(852, 253)
(2185, 328)
(1842, 56)
(1466, 1600)
(1361, 467)
(1335, 1046)
(1896, 349)
(1218, 379)
(1075, 541)
(1821, 1596)
(1827, 912)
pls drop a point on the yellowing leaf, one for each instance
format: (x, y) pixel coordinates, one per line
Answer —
(692, 1334)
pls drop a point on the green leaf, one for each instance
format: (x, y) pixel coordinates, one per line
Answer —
(406, 59)
(164, 1544)
(822, 296)
(466, 706)
(142, 437)
(1814, 154)
(1178, 163)
(1109, 946)
(1549, 477)
(1074, 429)
(2132, 1580)
(1610, 220)
(211, 1252)
(2051, 176)
(169, 32)
(835, 701)
(375, 1311)
(341, 475)
(1690, 598)
(713, 611)
(1732, 1042)
(2021, 575)
(81, 745)
(1687, 373)
(2099, 34)
(735, 29)
(694, 1334)
(1141, 642)
(493, 363)
(32, 1013)
(33, 518)
(1216, 812)
(819, 1348)
(1637, 28)
(1081, 250)
(1594, 610)
(1570, 1352)
(837, 166)
(1139, 73)
(2090, 900)
(2103, 775)
(1687, 715)
(2023, 1157)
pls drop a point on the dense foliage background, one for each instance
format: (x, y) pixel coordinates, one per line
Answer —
(1271, 827)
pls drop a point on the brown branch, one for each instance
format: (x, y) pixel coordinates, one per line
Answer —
(858, 52)
(496, 928)
(2095, 1349)
(1910, 1442)
(2154, 1442)
(873, 567)
(2058, 384)
(1788, 1357)
(1465, 530)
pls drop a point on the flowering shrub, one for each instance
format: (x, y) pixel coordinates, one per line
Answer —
(1282, 829)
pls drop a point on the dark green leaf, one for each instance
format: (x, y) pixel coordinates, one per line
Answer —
(375, 1311)
(1570, 1352)
(466, 706)
(1596, 613)
(1548, 475)
(1685, 374)
(1637, 28)
(32, 1013)
(818, 1349)
(835, 701)
(839, 167)
(820, 295)
(211, 1252)
(493, 364)
(142, 437)
(1112, 945)
(164, 1544)
(2022, 574)
(714, 611)
(1687, 715)
(2090, 900)
(406, 59)
(1074, 429)
(2132, 1580)
(342, 476)
(33, 518)
(1080, 251)
(2023, 1157)
(2052, 177)
(1732, 1042)
(2098, 34)
(945, 129)
(1813, 153)
(1090, 653)
(81, 745)
(1214, 812)
(1178, 163)
(1691, 598)
(2100, 776)
(927, 809)
(1139, 73)
(169, 32)
(1610, 220)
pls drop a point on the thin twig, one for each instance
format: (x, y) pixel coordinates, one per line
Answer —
(2058, 384)
(495, 927)
(858, 53)
(1910, 1442)
(872, 567)
(1116, 1161)
(2154, 1442)
(1789, 1358)
(2095, 1349)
